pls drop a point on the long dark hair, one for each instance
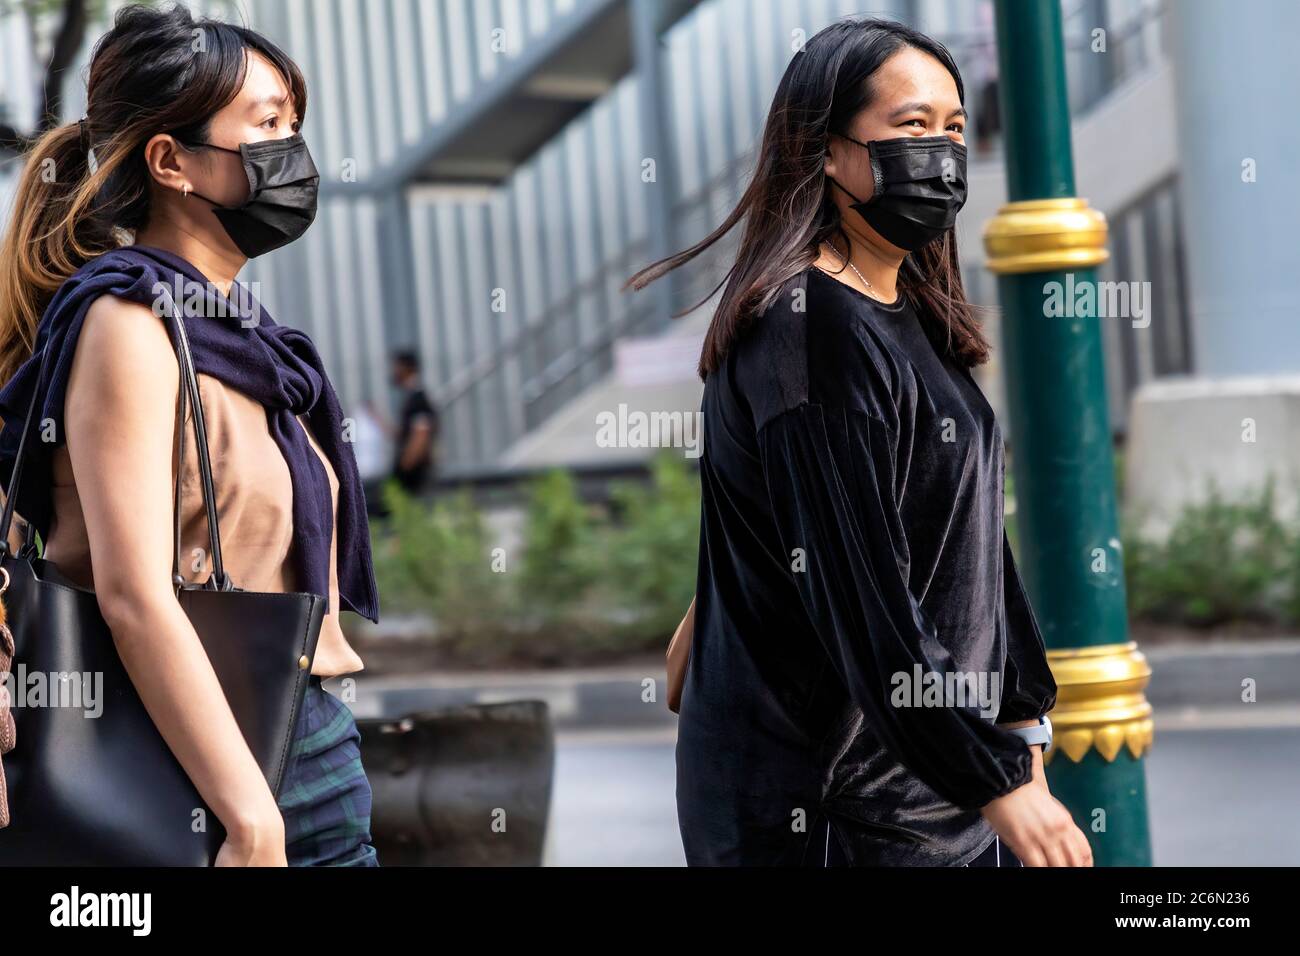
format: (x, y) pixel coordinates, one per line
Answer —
(156, 71)
(788, 213)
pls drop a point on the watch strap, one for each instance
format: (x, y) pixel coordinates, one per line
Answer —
(1037, 735)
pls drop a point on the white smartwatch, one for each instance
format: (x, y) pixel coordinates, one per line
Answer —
(1042, 734)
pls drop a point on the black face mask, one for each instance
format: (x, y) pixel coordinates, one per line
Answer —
(281, 204)
(920, 186)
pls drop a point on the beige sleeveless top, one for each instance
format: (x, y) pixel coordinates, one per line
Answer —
(254, 509)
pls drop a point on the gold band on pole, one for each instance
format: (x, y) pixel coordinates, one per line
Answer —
(1045, 235)
(1100, 701)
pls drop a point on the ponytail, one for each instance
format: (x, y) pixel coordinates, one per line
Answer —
(51, 234)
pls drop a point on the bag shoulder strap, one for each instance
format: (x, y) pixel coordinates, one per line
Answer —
(182, 395)
(15, 477)
(219, 580)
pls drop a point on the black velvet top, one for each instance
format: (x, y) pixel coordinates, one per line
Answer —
(853, 565)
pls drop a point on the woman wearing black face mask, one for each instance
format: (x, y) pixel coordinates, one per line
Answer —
(866, 679)
(89, 263)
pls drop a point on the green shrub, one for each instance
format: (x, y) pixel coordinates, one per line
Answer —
(560, 561)
(585, 583)
(652, 552)
(437, 559)
(1222, 561)
(589, 583)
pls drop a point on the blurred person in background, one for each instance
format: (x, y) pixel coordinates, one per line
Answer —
(370, 442)
(852, 547)
(155, 188)
(417, 426)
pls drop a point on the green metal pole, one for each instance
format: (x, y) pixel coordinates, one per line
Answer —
(1044, 245)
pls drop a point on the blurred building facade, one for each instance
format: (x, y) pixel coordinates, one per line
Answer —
(495, 169)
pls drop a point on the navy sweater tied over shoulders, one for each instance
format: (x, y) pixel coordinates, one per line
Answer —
(236, 341)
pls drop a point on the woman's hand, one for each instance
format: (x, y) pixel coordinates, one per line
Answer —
(1036, 826)
(679, 652)
(254, 842)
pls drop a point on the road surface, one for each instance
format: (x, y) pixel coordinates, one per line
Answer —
(1223, 792)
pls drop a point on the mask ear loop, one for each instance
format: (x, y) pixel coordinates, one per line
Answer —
(186, 190)
(877, 174)
(835, 182)
(848, 241)
(215, 146)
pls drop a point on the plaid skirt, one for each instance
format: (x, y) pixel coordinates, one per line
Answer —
(325, 798)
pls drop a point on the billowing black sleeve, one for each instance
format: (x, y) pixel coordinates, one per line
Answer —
(1028, 688)
(829, 472)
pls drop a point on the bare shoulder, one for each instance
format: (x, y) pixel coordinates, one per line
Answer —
(122, 358)
(126, 341)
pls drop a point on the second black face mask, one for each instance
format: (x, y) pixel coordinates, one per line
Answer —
(283, 185)
(920, 186)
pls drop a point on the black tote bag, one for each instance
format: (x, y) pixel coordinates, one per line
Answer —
(105, 789)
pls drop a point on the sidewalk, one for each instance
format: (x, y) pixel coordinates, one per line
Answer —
(621, 697)
(1185, 677)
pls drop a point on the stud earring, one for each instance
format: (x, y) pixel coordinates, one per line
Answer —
(185, 191)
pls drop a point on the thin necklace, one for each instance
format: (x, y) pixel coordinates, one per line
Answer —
(871, 290)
